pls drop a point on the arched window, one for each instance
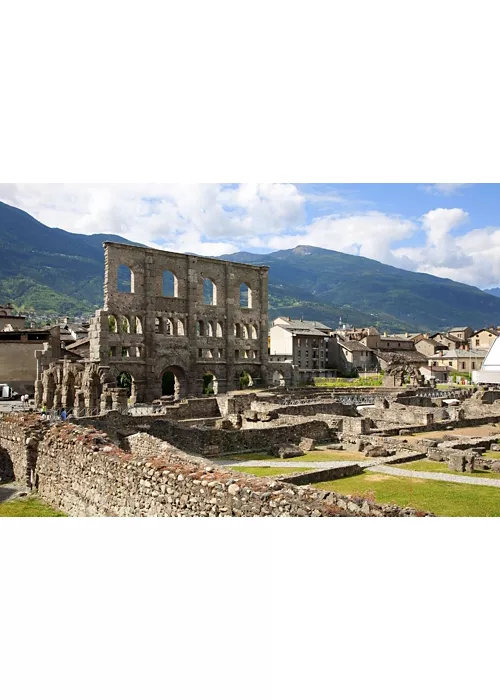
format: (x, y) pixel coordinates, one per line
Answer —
(170, 285)
(125, 279)
(218, 330)
(158, 324)
(124, 381)
(124, 324)
(210, 329)
(209, 383)
(237, 330)
(169, 327)
(245, 296)
(138, 325)
(244, 332)
(200, 328)
(254, 332)
(112, 325)
(180, 327)
(245, 380)
(209, 292)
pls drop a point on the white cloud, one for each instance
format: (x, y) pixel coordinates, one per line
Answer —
(212, 219)
(472, 258)
(371, 234)
(442, 188)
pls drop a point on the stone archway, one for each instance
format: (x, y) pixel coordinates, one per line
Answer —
(246, 380)
(278, 378)
(173, 382)
(125, 381)
(210, 384)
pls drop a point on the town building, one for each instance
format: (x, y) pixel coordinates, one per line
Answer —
(18, 368)
(483, 338)
(429, 346)
(9, 320)
(459, 360)
(303, 344)
(461, 332)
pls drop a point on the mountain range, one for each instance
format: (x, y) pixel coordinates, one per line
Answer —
(61, 273)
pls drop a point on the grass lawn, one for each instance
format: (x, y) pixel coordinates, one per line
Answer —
(28, 508)
(439, 497)
(426, 465)
(491, 454)
(269, 471)
(314, 456)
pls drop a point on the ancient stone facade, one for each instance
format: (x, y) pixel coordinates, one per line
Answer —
(171, 324)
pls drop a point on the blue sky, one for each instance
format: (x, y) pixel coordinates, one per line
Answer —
(449, 230)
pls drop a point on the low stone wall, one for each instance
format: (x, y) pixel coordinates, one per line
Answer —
(308, 409)
(315, 476)
(220, 442)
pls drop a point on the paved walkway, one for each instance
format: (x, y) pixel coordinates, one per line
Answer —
(289, 464)
(436, 476)
(376, 465)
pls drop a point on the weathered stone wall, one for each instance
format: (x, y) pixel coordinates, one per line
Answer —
(80, 471)
(19, 436)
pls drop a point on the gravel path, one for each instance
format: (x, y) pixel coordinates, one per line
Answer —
(436, 476)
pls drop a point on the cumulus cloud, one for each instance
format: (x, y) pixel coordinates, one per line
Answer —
(212, 219)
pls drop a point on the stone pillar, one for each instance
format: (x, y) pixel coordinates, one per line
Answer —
(38, 393)
(263, 325)
(229, 331)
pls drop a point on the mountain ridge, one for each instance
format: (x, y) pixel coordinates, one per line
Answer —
(59, 272)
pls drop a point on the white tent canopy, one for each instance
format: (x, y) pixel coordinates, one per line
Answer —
(490, 371)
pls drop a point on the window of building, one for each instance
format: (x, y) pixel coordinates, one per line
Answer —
(245, 296)
(125, 280)
(170, 285)
(209, 292)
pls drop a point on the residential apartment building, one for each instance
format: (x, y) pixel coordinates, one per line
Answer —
(304, 344)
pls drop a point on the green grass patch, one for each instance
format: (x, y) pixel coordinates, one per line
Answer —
(425, 465)
(332, 383)
(314, 456)
(491, 454)
(439, 497)
(28, 508)
(269, 471)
